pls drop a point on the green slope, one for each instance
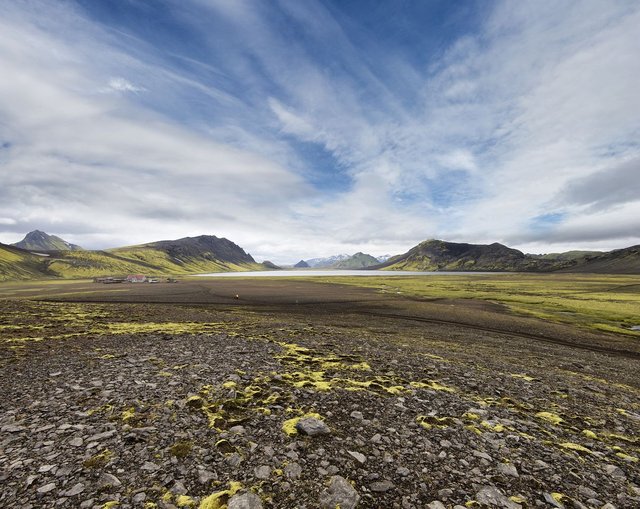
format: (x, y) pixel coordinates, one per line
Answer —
(179, 257)
(18, 264)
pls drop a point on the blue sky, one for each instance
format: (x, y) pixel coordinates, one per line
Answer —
(301, 129)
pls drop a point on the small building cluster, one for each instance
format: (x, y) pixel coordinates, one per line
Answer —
(131, 278)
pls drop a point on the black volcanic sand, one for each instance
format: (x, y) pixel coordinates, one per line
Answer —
(164, 394)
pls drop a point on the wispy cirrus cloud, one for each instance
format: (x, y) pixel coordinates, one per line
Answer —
(304, 128)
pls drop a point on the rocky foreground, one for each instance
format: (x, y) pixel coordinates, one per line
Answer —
(131, 405)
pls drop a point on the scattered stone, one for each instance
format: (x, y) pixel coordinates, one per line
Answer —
(46, 488)
(357, 415)
(587, 492)
(381, 486)
(149, 466)
(247, 500)
(403, 471)
(76, 442)
(549, 499)
(615, 471)
(340, 493)
(508, 469)
(491, 496)
(262, 472)
(436, 504)
(12, 428)
(75, 490)
(108, 480)
(205, 476)
(361, 458)
(138, 498)
(102, 436)
(293, 471)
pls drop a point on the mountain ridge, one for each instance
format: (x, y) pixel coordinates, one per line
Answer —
(208, 253)
(189, 255)
(439, 255)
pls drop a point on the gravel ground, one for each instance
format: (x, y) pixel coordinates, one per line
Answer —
(137, 405)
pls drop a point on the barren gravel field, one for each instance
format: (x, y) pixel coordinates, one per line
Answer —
(299, 394)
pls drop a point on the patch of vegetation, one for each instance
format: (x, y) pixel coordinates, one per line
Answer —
(99, 460)
(181, 449)
(601, 302)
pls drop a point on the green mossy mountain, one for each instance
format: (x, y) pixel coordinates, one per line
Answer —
(357, 261)
(190, 255)
(438, 255)
(41, 241)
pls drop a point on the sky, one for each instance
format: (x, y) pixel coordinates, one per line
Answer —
(309, 128)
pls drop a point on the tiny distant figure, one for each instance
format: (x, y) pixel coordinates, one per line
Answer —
(236, 296)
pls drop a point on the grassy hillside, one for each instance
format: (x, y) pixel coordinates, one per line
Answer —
(180, 257)
(16, 263)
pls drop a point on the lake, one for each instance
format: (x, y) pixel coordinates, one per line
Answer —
(333, 273)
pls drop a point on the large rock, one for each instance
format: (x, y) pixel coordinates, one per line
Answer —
(340, 493)
(312, 427)
(245, 501)
(491, 497)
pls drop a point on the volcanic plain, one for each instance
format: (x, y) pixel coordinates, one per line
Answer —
(293, 393)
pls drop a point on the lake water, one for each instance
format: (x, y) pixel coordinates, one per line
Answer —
(333, 273)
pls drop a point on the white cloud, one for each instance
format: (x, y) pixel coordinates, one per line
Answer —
(122, 85)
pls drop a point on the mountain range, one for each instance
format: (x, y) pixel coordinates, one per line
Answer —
(342, 261)
(52, 257)
(438, 255)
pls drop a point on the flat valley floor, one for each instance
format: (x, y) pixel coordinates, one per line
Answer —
(180, 395)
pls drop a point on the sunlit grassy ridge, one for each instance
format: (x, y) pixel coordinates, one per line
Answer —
(604, 302)
(16, 264)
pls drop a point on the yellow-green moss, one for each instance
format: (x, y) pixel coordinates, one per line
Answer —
(574, 447)
(181, 449)
(430, 421)
(185, 501)
(219, 499)
(550, 417)
(98, 460)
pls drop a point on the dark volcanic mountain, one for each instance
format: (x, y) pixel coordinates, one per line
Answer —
(204, 247)
(301, 265)
(41, 241)
(437, 255)
(433, 255)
